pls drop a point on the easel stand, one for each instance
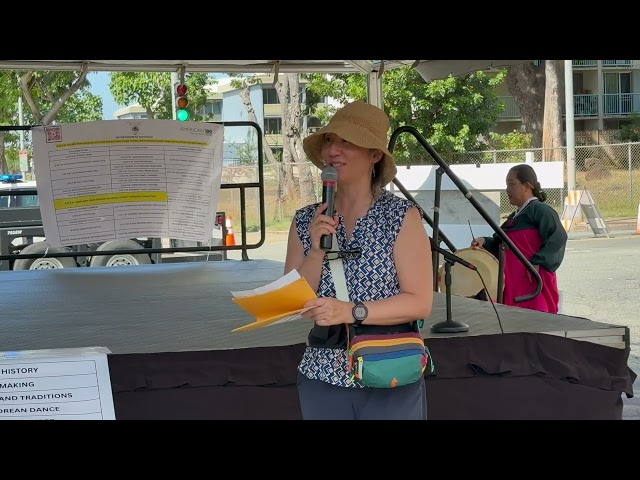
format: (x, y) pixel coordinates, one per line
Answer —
(449, 325)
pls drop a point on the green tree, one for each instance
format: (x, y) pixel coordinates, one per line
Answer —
(153, 92)
(288, 89)
(631, 131)
(49, 97)
(59, 97)
(510, 141)
(81, 107)
(9, 92)
(451, 114)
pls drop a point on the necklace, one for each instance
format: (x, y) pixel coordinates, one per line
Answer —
(373, 200)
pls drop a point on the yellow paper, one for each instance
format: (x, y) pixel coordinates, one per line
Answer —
(280, 301)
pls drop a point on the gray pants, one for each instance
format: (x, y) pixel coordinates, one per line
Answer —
(322, 401)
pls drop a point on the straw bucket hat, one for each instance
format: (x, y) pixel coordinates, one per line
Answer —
(362, 124)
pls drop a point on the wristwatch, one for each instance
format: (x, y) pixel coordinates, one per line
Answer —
(359, 313)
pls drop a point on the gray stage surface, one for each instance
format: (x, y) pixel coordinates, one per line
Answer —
(188, 307)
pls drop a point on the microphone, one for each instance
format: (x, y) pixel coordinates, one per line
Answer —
(329, 180)
(450, 256)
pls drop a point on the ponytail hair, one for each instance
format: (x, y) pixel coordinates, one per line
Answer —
(539, 193)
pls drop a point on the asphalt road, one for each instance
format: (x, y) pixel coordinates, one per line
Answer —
(599, 280)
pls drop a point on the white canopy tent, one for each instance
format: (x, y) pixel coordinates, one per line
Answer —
(373, 68)
(428, 69)
(213, 66)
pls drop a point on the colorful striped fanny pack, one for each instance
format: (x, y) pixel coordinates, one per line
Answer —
(388, 361)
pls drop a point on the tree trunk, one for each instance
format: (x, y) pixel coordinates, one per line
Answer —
(552, 128)
(27, 83)
(284, 178)
(292, 185)
(289, 96)
(526, 82)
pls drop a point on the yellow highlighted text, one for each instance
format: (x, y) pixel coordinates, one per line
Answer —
(105, 198)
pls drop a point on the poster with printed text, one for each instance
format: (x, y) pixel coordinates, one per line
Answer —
(122, 179)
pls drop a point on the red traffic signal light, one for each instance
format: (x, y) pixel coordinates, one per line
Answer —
(181, 89)
(182, 102)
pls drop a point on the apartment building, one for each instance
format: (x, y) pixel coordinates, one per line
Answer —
(605, 93)
(225, 104)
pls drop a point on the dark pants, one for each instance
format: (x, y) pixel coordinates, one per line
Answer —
(322, 401)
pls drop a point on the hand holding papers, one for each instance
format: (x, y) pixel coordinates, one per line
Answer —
(280, 301)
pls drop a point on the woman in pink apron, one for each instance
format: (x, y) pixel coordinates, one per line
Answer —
(536, 230)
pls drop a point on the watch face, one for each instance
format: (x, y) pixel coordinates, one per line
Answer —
(360, 312)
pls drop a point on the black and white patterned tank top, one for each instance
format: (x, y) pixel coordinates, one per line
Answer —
(370, 277)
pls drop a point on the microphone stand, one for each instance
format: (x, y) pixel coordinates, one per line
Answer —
(450, 325)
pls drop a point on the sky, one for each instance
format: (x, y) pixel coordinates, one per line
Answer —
(100, 86)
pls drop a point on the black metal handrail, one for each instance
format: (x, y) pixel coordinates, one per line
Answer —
(243, 246)
(469, 196)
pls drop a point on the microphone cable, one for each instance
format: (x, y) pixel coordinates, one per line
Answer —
(484, 286)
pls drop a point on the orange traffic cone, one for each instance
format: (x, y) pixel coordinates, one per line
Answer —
(230, 238)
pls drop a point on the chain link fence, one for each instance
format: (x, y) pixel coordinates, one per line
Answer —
(555, 196)
(610, 172)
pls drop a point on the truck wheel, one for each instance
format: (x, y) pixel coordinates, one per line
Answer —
(46, 263)
(120, 259)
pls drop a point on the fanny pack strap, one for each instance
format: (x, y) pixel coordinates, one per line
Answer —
(337, 272)
(340, 283)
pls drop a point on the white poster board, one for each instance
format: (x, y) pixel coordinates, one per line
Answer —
(61, 384)
(109, 179)
(458, 217)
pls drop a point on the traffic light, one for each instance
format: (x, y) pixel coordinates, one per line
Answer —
(182, 102)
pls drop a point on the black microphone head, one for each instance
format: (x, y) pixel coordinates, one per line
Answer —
(329, 173)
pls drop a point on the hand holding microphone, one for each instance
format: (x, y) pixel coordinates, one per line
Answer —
(329, 182)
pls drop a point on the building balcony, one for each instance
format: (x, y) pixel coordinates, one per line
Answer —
(592, 64)
(613, 105)
(621, 104)
(585, 106)
(621, 63)
(511, 110)
(584, 63)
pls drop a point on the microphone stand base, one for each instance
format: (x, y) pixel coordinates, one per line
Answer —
(449, 326)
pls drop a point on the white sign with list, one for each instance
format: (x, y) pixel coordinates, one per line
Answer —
(109, 179)
(61, 384)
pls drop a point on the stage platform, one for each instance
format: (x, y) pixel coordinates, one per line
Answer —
(168, 327)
